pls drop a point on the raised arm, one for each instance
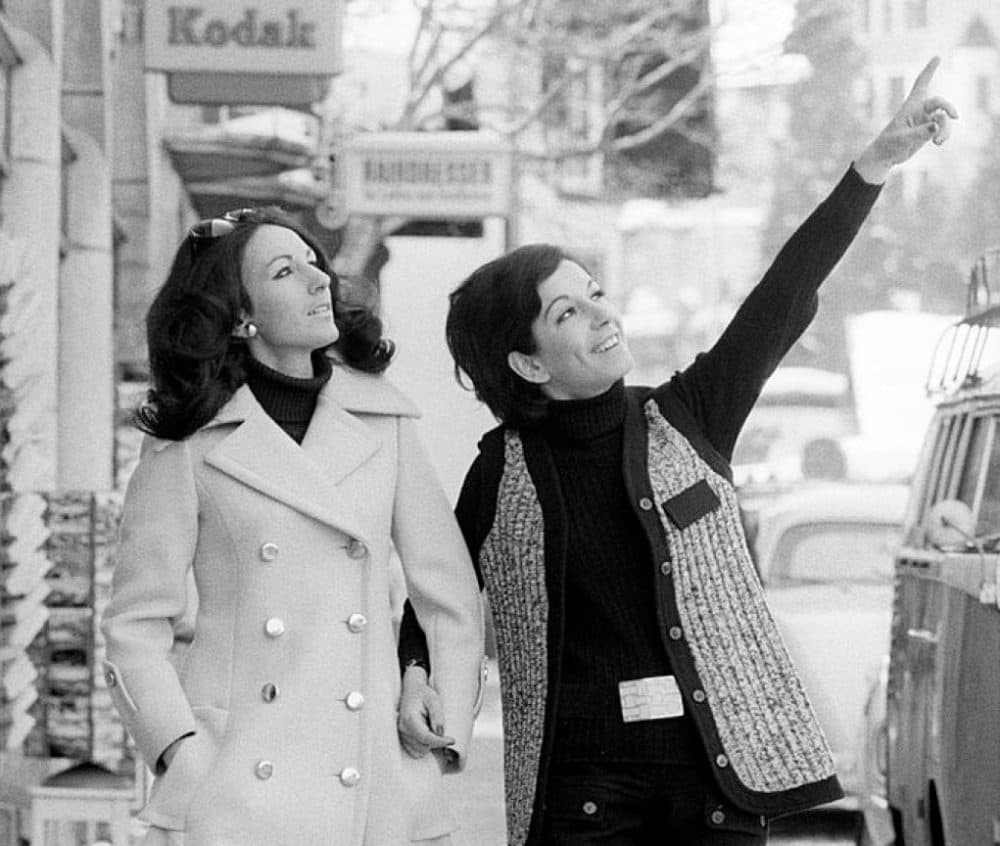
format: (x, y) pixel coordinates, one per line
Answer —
(722, 385)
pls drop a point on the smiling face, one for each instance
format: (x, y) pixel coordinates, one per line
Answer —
(292, 309)
(580, 347)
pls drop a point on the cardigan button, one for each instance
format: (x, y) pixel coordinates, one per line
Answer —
(263, 770)
(665, 568)
(268, 552)
(721, 761)
(698, 695)
(645, 503)
(676, 633)
(718, 816)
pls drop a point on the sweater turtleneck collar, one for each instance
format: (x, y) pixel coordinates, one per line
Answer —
(288, 399)
(586, 419)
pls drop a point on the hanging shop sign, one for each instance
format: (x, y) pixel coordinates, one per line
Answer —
(428, 174)
(276, 37)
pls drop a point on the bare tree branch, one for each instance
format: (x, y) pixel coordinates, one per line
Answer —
(662, 124)
(420, 93)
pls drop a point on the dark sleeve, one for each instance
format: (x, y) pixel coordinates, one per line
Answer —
(721, 386)
(412, 642)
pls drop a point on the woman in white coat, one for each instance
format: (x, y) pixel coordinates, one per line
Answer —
(250, 645)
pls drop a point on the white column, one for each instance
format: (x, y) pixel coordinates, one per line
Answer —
(86, 335)
(30, 204)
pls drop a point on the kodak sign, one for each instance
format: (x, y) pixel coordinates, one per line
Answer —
(294, 37)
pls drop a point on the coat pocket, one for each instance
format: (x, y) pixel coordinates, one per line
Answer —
(174, 791)
(430, 811)
(691, 504)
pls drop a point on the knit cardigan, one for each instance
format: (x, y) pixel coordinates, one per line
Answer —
(768, 752)
(761, 737)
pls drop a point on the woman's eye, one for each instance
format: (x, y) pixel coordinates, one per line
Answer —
(598, 294)
(565, 314)
(282, 272)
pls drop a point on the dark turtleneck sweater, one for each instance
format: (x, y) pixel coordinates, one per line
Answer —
(611, 632)
(288, 400)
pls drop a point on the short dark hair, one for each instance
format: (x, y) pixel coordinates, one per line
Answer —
(195, 363)
(490, 316)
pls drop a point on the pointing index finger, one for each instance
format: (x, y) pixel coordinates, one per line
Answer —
(923, 81)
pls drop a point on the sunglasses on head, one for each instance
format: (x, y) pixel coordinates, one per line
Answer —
(216, 227)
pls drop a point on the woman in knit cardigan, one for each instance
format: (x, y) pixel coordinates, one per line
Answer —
(647, 696)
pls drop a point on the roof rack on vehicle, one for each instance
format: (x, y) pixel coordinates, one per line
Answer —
(958, 354)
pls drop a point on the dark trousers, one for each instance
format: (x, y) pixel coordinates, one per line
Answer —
(636, 804)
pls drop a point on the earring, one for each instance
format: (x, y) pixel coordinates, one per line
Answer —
(251, 330)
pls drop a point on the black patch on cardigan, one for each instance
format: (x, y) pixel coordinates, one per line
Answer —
(691, 504)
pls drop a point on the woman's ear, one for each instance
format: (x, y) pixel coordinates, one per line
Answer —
(244, 328)
(527, 367)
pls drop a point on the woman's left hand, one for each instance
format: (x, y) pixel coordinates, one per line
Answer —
(420, 723)
(921, 118)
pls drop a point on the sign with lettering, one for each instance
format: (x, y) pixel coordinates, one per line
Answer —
(428, 174)
(300, 37)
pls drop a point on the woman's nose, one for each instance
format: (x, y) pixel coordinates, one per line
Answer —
(600, 313)
(318, 280)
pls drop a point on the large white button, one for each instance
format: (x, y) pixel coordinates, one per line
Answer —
(356, 549)
(274, 627)
(349, 776)
(355, 700)
(268, 551)
(357, 623)
(263, 770)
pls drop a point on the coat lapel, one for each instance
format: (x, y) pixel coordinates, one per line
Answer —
(259, 454)
(338, 443)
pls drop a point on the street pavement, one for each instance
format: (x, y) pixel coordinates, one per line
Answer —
(479, 793)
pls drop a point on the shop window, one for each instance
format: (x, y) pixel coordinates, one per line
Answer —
(915, 14)
(7, 61)
(864, 15)
(897, 93)
(4, 117)
(983, 93)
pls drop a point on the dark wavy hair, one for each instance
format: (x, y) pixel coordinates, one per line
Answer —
(490, 316)
(195, 363)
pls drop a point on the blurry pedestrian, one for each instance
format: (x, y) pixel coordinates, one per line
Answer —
(647, 695)
(250, 643)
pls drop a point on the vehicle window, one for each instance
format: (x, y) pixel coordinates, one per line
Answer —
(937, 466)
(989, 506)
(952, 446)
(836, 552)
(972, 465)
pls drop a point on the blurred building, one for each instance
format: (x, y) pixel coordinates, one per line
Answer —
(900, 36)
(103, 166)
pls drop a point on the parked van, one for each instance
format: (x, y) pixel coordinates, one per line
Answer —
(941, 753)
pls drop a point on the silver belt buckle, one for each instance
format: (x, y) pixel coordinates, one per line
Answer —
(652, 698)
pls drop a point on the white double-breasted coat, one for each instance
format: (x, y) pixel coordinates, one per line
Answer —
(284, 665)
